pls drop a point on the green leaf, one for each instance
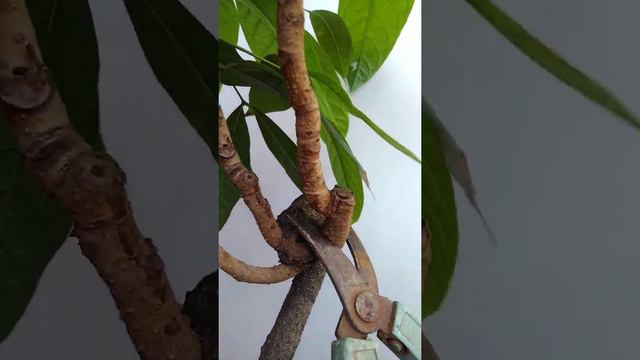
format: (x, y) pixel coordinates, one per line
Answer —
(280, 145)
(63, 28)
(346, 168)
(457, 164)
(228, 54)
(316, 59)
(229, 25)
(330, 105)
(439, 210)
(344, 97)
(550, 61)
(334, 38)
(228, 193)
(181, 53)
(332, 108)
(258, 21)
(32, 226)
(374, 26)
(254, 74)
(267, 101)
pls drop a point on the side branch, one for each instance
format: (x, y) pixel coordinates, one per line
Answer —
(247, 182)
(244, 272)
(91, 187)
(303, 100)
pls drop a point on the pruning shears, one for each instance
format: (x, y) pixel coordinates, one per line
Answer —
(365, 311)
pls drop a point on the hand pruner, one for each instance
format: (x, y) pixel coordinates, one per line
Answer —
(364, 310)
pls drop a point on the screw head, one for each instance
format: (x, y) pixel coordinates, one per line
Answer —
(367, 306)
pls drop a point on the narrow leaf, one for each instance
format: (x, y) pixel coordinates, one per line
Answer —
(439, 211)
(280, 145)
(334, 38)
(254, 74)
(456, 161)
(228, 54)
(342, 95)
(258, 21)
(228, 193)
(552, 62)
(374, 26)
(32, 226)
(330, 105)
(267, 101)
(181, 52)
(229, 25)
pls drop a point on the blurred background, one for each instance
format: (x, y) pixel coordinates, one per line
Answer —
(172, 187)
(557, 178)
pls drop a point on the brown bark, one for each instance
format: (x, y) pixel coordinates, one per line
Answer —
(283, 340)
(338, 223)
(201, 307)
(90, 186)
(247, 182)
(244, 272)
(303, 101)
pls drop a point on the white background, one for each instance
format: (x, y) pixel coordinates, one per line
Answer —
(556, 175)
(389, 226)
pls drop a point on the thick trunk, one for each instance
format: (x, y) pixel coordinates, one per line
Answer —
(283, 340)
(90, 186)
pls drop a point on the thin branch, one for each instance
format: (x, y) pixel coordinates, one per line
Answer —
(244, 272)
(247, 182)
(91, 187)
(283, 340)
(303, 100)
(244, 102)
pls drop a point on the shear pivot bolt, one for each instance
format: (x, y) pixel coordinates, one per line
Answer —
(367, 306)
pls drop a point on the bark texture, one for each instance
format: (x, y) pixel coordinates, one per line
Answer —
(90, 186)
(283, 340)
(247, 182)
(244, 272)
(303, 101)
(337, 225)
(201, 306)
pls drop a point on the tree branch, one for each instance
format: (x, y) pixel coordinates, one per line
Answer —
(244, 272)
(283, 340)
(303, 101)
(90, 186)
(247, 182)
